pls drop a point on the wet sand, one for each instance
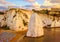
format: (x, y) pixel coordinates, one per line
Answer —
(50, 35)
(17, 38)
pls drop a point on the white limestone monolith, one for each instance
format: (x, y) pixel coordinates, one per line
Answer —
(35, 28)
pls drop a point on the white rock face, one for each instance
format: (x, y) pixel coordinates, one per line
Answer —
(55, 23)
(14, 21)
(35, 28)
(46, 20)
(2, 21)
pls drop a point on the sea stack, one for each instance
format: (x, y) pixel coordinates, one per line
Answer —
(35, 27)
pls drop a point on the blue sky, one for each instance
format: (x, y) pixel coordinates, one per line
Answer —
(22, 2)
(32, 3)
(29, 2)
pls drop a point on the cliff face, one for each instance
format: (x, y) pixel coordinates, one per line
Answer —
(18, 19)
(2, 20)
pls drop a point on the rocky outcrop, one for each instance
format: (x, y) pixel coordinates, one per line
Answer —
(17, 19)
(2, 20)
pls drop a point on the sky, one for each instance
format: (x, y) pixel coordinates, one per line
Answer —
(20, 2)
(30, 3)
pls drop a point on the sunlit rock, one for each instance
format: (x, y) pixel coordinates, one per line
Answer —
(55, 23)
(35, 28)
(14, 21)
(2, 20)
(17, 19)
